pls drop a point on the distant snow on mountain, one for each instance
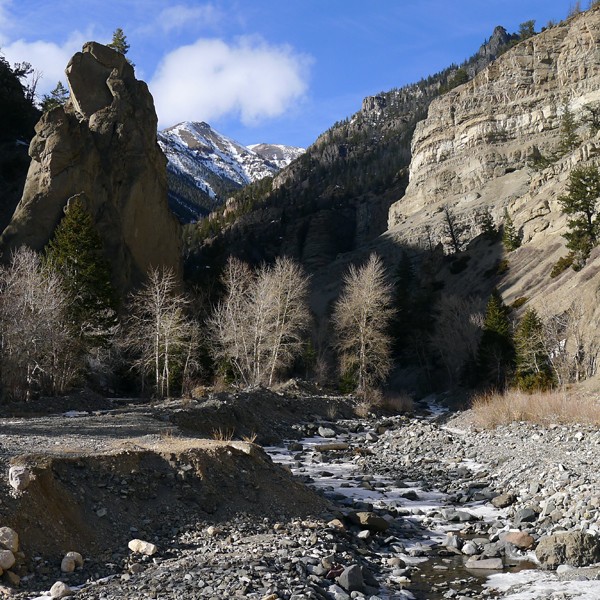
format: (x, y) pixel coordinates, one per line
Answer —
(278, 154)
(205, 167)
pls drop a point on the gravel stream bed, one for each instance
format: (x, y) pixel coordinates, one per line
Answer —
(417, 507)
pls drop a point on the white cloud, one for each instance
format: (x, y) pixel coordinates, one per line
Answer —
(181, 16)
(210, 79)
(49, 58)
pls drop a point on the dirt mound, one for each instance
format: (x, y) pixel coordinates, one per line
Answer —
(268, 415)
(95, 504)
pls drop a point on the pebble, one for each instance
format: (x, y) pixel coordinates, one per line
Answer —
(142, 547)
(9, 539)
(60, 590)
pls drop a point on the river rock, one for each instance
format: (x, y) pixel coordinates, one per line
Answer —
(326, 432)
(60, 590)
(453, 541)
(525, 515)
(573, 548)
(12, 578)
(7, 559)
(71, 561)
(142, 547)
(351, 579)
(490, 564)
(370, 520)
(9, 539)
(19, 478)
(336, 524)
(469, 548)
(520, 539)
(332, 447)
(213, 531)
(503, 500)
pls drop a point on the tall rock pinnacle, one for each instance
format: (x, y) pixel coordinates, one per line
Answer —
(101, 145)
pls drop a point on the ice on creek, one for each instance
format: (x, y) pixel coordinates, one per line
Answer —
(533, 585)
(434, 407)
(341, 477)
(70, 414)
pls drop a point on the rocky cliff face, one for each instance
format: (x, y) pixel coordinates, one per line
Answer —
(504, 119)
(101, 144)
(494, 143)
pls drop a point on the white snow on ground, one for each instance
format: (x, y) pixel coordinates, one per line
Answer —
(535, 585)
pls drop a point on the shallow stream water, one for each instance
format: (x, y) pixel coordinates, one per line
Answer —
(433, 573)
(342, 480)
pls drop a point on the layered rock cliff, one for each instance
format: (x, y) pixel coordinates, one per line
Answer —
(489, 132)
(496, 144)
(101, 144)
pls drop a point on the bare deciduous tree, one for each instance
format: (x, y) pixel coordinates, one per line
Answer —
(158, 331)
(361, 318)
(572, 346)
(452, 228)
(38, 352)
(258, 327)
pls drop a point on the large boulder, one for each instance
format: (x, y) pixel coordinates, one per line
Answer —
(573, 548)
(102, 146)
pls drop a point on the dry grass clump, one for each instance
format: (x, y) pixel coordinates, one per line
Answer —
(222, 435)
(392, 403)
(493, 409)
(250, 438)
(397, 403)
(363, 409)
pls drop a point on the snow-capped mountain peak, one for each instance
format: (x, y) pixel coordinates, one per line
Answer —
(205, 167)
(278, 154)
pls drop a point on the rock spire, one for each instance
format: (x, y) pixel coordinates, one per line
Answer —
(102, 145)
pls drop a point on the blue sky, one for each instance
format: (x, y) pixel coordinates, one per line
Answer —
(262, 70)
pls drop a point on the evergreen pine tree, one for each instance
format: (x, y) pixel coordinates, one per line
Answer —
(119, 41)
(510, 236)
(592, 117)
(75, 252)
(526, 30)
(57, 97)
(533, 369)
(496, 348)
(486, 222)
(568, 131)
(581, 204)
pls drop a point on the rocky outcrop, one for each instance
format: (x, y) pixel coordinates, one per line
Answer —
(101, 144)
(491, 49)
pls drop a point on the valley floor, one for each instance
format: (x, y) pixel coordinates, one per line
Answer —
(422, 507)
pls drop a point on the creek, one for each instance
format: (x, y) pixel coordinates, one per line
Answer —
(423, 518)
